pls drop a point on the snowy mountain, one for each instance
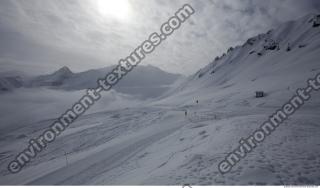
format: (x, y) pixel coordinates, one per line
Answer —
(55, 79)
(11, 80)
(276, 62)
(146, 81)
(8, 83)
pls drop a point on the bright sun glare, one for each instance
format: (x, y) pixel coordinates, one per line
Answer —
(118, 9)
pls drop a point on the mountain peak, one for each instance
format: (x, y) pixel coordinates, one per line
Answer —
(62, 73)
(65, 70)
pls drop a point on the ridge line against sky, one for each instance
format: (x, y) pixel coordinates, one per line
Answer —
(42, 36)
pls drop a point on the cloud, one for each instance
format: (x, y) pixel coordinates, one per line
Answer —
(49, 34)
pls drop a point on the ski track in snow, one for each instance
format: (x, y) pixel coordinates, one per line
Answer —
(163, 152)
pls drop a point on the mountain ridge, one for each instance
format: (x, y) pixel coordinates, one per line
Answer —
(141, 81)
(282, 57)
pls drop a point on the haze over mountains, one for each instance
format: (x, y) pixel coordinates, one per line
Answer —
(144, 81)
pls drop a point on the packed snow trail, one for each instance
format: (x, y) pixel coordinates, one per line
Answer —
(80, 172)
(89, 140)
(173, 150)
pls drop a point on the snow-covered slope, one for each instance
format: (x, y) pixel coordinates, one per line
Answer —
(277, 62)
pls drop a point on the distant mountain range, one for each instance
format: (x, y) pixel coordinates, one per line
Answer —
(145, 81)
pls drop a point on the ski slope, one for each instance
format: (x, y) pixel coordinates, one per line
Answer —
(154, 143)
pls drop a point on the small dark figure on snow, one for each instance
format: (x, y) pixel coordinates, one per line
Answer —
(197, 102)
(185, 113)
(288, 47)
(259, 94)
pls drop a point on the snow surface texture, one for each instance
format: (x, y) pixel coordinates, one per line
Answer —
(155, 143)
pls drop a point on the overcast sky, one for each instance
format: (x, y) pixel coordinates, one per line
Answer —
(41, 36)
